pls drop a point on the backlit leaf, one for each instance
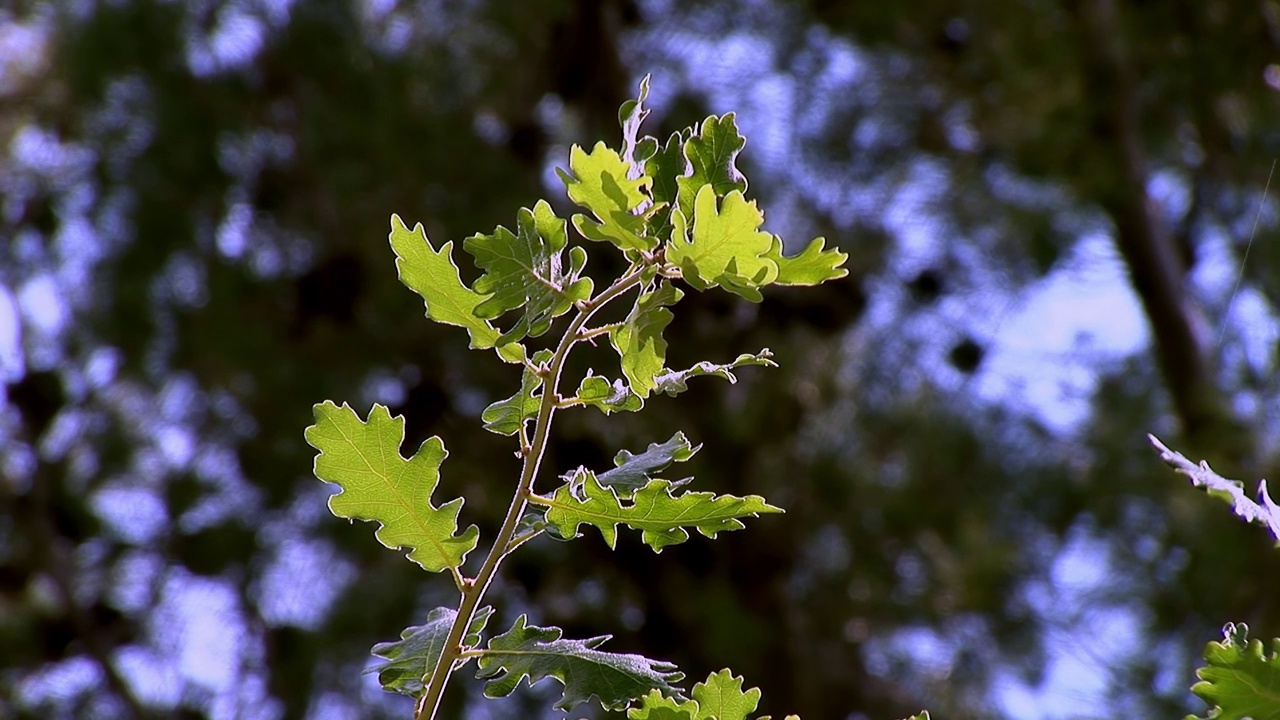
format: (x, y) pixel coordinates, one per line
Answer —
(608, 397)
(411, 659)
(434, 276)
(726, 247)
(506, 417)
(380, 486)
(812, 266)
(635, 151)
(674, 382)
(599, 182)
(711, 152)
(660, 516)
(537, 653)
(523, 271)
(635, 471)
(1242, 680)
(639, 341)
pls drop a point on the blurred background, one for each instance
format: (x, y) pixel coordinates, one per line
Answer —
(1048, 207)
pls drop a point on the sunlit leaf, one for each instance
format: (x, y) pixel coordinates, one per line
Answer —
(1242, 680)
(711, 153)
(639, 341)
(434, 276)
(537, 653)
(635, 150)
(719, 697)
(523, 271)
(635, 471)
(379, 485)
(674, 382)
(1264, 511)
(506, 417)
(812, 266)
(608, 397)
(411, 659)
(599, 182)
(726, 246)
(660, 516)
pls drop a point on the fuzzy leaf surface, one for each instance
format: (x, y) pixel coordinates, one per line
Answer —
(726, 248)
(411, 660)
(630, 116)
(523, 270)
(608, 397)
(434, 276)
(639, 341)
(1242, 680)
(635, 471)
(812, 266)
(675, 382)
(539, 652)
(660, 516)
(599, 182)
(379, 485)
(711, 154)
(1264, 511)
(506, 417)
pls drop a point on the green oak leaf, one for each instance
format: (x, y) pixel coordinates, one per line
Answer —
(726, 248)
(639, 341)
(1241, 679)
(711, 153)
(660, 516)
(523, 270)
(635, 471)
(636, 150)
(721, 697)
(506, 417)
(434, 276)
(812, 266)
(537, 652)
(411, 660)
(665, 165)
(599, 182)
(656, 706)
(379, 485)
(674, 382)
(608, 397)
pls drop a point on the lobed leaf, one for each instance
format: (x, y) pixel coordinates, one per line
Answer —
(378, 485)
(719, 697)
(675, 382)
(523, 271)
(599, 181)
(538, 653)
(711, 153)
(434, 276)
(506, 417)
(812, 266)
(726, 247)
(411, 660)
(633, 472)
(608, 397)
(639, 341)
(1264, 511)
(666, 165)
(1241, 680)
(635, 150)
(660, 516)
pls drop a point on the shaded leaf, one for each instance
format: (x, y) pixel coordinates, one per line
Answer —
(523, 271)
(506, 417)
(812, 266)
(608, 397)
(379, 485)
(675, 382)
(599, 182)
(639, 341)
(666, 165)
(711, 153)
(631, 115)
(434, 276)
(537, 653)
(660, 516)
(726, 248)
(1241, 679)
(634, 471)
(411, 659)
(1264, 512)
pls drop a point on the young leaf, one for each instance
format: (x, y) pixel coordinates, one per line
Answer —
(655, 706)
(720, 697)
(811, 267)
(608, 397)
(506, 417)
(674, 382)
(639, 341)
(1241, 680)
(630, 115)
(523, 271)
(411, 660)
(381, 486)
(660, 516)
(635, 471)
(600, 183)
(434, 276)
(726, 248)
(711, 153)
(1265, 512)
(538, 652)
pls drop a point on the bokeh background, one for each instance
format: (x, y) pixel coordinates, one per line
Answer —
(1048, 206)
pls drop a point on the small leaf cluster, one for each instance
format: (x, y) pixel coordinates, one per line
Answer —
(677, 212)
